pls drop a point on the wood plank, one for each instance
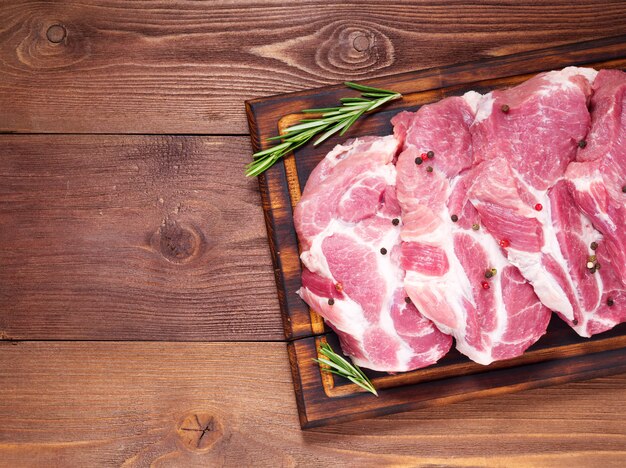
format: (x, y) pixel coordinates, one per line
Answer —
(127, 404)
(132, 237)
(185, 67)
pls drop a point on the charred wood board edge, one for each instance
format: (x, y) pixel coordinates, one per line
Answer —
(316, 408)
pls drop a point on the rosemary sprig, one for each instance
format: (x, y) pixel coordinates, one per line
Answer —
(338, 365)
(332, 120)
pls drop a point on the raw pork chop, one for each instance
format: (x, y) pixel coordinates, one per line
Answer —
(348, 225)
(598, 179)
(593, 288)
(445, 251)
(526, 137)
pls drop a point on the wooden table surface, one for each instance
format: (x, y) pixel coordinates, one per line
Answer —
(139, 322)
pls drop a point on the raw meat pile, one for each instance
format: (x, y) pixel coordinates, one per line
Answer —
(477, 219)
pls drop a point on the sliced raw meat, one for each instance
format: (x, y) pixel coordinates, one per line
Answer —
(598, 178)
(348, 225)
(576, 237)
(611, 306)
(535, 126)
(498, 209)
(526, 137)
(445, 251)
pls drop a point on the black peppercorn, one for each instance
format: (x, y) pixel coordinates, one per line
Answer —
(594, 245)
(331, 301)
(418, 161)
(505, 108)
(407, 300)
(430, 154)
(383, 251)
(429, 169)
(582, 143)
(395, 221)
(454, 218)
(610, 302)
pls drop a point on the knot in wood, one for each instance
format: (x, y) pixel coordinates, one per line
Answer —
(55, 45)
(56, 33)
(199, 432)
(361, 43)
(355, 49)
(178, 244)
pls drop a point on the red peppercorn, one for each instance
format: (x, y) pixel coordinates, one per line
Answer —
(424, 157)
(485, 285)
(504, 243)
(539, 207)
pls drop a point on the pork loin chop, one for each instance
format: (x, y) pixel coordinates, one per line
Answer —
(456, 273)
(348, 224)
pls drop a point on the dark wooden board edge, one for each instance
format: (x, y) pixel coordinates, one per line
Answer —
(278, 212)
(264, 115)
(559, 341)
(316, 409)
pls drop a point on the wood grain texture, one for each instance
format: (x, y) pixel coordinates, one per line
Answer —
(74, 404)
(84, 253)
(132, 237)
(186, 67)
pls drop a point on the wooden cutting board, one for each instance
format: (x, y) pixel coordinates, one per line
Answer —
(559, 356)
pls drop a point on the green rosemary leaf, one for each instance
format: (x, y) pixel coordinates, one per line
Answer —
(271, 150)
(375, 95)
(349, 100)
(336, 358)
(274, 138)
(339, 115)
(330, 132)
(364, 385)
(332, 366)
(332, 120)
(382, 101)
(337, 365)
(253, 169)
(320, 124)
(351, 121)
(367, 89)
(320, 110)
(304, 126)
